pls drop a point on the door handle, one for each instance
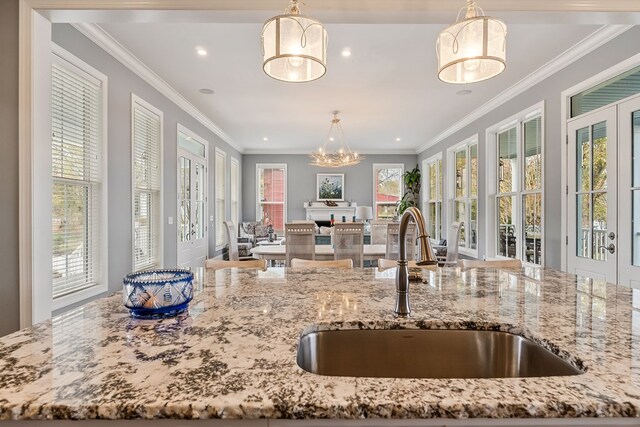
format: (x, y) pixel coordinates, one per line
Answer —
(611, 248)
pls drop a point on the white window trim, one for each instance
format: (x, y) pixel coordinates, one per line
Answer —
(565, 115)
(491, 177)
(219, 152)
(286, 185)
(450, 191)
(67, 300)
(426, 193)
(378, 166)
(236, 162)
(135, 99)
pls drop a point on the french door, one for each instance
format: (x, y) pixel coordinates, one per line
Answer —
(604, 194)
(592, 195)
(192, 210)
(629, 193)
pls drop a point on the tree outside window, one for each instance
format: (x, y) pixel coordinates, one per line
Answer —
(432, 205)
(388, 189)
(519, 195)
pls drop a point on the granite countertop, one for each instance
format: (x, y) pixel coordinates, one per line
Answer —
(234, 355)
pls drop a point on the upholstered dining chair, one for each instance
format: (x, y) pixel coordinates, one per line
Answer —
(453, 241)
(300, 241)
(393, 237)
(304, 263)
(379, 232)
(217, 264)
(230, 229)
(514, 264)
(348, 241)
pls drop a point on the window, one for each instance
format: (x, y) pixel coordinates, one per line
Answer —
(221, 174)
(606, 93)
(78, 174)
(387, 187)
(432, 195)
(271, 206)
(507, 193)
(235, 190)
(146, 138)
(517, 163)
(463, 164)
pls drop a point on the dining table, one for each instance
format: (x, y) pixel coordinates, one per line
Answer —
(322, 252)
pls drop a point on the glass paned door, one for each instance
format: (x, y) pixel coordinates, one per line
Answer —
(629, 192)
(592, 194)
(192, 210)
(184, 199)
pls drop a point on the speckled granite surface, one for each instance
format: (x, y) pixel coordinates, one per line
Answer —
(234, 355)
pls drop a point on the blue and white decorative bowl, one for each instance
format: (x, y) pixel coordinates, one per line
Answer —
(154, 294)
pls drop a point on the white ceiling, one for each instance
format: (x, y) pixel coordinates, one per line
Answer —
(387, 89)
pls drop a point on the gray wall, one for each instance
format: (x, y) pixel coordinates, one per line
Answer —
(122, 82)
(9, 262)
(301, 180)
(548, 91)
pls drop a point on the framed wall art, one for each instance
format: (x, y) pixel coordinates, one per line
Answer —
(330, 186)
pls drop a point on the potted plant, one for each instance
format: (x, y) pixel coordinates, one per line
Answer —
(412, 184)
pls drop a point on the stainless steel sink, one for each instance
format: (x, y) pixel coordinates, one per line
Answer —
(427, 354)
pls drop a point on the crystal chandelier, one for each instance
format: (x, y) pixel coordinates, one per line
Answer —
(473, 49)
(343, 157)
(294, 46)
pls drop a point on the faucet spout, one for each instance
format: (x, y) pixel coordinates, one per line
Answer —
(403, 308)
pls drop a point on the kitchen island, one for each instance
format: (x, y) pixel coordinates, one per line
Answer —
(234, 355)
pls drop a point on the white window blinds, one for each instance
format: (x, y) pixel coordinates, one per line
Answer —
(146, 139)
(220, 193)
(76, 154)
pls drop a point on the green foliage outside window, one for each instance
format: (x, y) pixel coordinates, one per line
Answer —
(412, 184)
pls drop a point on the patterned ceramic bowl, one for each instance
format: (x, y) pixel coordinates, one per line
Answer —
(158, 293)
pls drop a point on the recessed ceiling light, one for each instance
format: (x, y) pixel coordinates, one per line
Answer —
(346, 52)
(398, 139)
(201, 51)
(265, 139)
(332, 139)
(464, 92)
(206, 91)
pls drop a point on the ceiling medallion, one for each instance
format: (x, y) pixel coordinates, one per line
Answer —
(340, 158)
(294, 46)
(473, 49)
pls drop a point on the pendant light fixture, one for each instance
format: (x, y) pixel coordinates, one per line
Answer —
(336, 159)
(473, 49)
(294, 46)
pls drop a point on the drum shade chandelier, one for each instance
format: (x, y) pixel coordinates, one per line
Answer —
(294, 46)
(473, 49)
(337, 159)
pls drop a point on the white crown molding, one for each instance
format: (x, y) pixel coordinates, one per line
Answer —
(577, 51)
(110, 45)
(283, 151)
(339, 5)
